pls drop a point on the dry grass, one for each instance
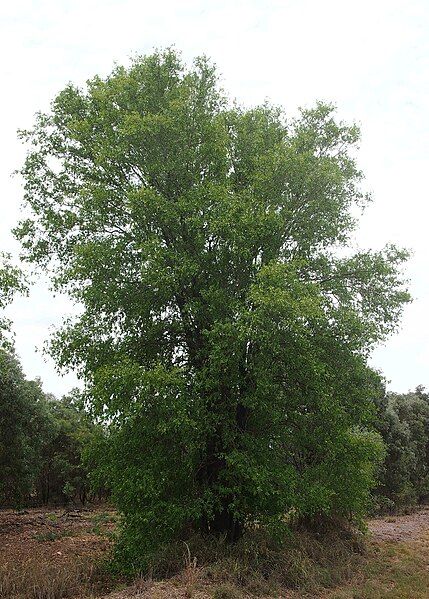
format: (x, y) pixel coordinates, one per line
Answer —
(387, 570)
(226, 591)
(33, 580)
(258, 566)
(190, 572)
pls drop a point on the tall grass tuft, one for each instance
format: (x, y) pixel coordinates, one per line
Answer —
(35, 580)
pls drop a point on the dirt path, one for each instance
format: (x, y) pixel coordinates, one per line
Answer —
(400, 528)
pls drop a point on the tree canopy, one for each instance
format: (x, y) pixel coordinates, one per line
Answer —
(225, 321)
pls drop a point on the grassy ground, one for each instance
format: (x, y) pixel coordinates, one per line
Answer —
(391, 570)
(59, 555)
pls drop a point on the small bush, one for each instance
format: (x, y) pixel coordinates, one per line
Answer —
(52, 517)
(52, 535)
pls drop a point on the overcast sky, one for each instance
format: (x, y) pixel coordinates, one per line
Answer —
(371, 58)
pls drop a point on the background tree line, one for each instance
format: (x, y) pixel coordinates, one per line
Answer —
(403, 422)
(45, 442)
(47, 445)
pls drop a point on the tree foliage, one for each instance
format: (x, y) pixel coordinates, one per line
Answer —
(62, 474)
(16, 413)
(403, 422)
(22, 428)
(43, 442)
(11, 282)
(225, 321)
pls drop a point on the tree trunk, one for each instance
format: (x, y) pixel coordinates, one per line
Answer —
(224, 523)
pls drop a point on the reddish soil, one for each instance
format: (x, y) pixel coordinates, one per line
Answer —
(42, 548)
(55, 533)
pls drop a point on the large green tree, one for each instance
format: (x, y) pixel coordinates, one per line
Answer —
(224, 321)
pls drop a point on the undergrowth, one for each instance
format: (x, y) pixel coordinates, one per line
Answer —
(260, 565)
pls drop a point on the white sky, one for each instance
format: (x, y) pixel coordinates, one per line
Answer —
(369, 57)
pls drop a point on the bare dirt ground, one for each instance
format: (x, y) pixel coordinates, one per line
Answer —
(55, 533)
(400, 528)
(51, 550)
